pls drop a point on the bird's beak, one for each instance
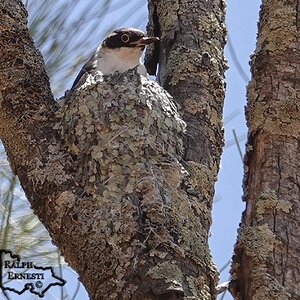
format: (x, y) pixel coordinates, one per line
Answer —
(145, 41)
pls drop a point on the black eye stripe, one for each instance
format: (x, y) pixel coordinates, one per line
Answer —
(123, 38)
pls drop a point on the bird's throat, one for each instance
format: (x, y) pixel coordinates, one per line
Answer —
(118, 60)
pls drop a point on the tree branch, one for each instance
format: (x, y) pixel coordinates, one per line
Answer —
(266, 261)
(105, 175)
(27, 113)
(191, 69)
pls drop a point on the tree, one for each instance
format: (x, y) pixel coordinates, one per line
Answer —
(127, 210)
(266, 261)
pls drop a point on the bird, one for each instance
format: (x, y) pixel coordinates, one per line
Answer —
(119, 52)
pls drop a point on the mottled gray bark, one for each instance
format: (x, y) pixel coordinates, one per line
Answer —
(107, 172)
(191, 69)
(266, 262)
(27, 114)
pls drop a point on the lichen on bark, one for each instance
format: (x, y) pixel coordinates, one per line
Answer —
(110, 174)
(127, 137)
(191, 69)
(271, 181)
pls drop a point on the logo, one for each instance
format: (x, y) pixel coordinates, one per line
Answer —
(19, 276)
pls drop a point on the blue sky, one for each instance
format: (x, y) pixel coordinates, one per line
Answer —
(242, 18)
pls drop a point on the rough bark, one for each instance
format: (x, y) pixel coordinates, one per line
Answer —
(266, 262)
(106, 175)
(191, 69)
(27, 114)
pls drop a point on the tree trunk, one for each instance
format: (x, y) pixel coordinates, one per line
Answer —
(266, 262)
(191, 69)
(106, 171)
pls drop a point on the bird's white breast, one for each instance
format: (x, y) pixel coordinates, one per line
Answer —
(120, 59)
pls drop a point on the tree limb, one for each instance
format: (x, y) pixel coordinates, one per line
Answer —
(105, 174)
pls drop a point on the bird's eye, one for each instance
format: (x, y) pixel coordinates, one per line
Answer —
(125, 38)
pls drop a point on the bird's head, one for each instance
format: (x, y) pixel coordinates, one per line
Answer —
(122, 49)
(128, 38)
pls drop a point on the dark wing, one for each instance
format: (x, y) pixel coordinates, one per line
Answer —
(86, 69)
